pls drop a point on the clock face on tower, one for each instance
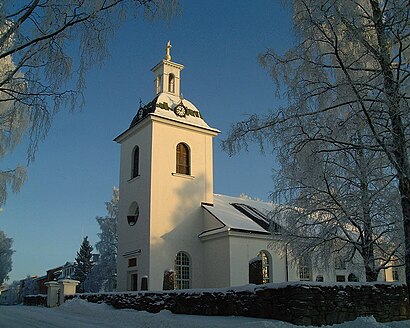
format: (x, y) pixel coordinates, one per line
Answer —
(140, 113)
(180, 110)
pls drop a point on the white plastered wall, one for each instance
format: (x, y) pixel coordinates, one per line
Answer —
(133, 238)
(243, 248)
(217, 262)
(176, 213)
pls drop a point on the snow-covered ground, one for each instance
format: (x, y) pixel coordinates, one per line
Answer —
(77, 313)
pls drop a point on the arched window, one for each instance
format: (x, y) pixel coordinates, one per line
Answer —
(265, 267)
(158, 84)
(171, 83)
(182, 271)
(305, 268)
(135, 162)
(352, 278)
(183, 159)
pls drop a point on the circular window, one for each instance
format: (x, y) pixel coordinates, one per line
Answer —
(133, 214)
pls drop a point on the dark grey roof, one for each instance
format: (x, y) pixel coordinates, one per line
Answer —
(148, 108)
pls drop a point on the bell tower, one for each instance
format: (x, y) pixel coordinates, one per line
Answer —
(166, 172)
(168, 75)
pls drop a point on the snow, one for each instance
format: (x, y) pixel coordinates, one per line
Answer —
(172, 101)
(78, 313)
(231, 217)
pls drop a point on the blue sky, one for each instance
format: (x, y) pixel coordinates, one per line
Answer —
(78, 164)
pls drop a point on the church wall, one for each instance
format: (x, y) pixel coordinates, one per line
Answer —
(176, 213)
(329, 273)
(243, 249)
(134, 240)
(216, 257)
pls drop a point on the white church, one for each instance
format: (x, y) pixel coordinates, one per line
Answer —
(170, 220)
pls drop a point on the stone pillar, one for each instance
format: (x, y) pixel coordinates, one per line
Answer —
(169, 280)
(68, 287)
(53, 289)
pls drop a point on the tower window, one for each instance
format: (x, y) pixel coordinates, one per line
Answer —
(183, 159)
(171, 83)
(133, 213)
(158, 84)
(132, 262)
(182, 270)
(135, 162)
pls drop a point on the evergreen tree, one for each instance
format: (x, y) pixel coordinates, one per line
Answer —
(84, 263)
(5, 256)
(103, 277)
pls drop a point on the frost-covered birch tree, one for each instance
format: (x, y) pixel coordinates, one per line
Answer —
(46, 48)
(346, 81)
(29, 287)
(5, 256)
(103, 277)
(338, 203)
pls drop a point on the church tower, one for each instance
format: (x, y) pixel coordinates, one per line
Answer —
(166, 173)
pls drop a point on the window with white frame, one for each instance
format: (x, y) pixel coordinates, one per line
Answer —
(182, 271)
(305, 269)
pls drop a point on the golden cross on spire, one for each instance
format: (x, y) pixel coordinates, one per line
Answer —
(168, 49)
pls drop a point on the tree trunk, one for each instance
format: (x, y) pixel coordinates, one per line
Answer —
(398, 155)
(371, 274)
(404, 187)
(367, 243)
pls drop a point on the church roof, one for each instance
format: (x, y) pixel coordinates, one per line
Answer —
(242, 214)
(164, 105)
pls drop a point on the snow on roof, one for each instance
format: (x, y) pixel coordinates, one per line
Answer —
(227, 211)
(164, 105)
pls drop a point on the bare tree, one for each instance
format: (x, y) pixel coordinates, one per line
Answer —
(349, 67)
(46, 47)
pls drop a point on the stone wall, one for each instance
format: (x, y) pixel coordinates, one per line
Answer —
(35, 300)
(301, 304)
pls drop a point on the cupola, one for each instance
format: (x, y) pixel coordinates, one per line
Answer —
(167, 75)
